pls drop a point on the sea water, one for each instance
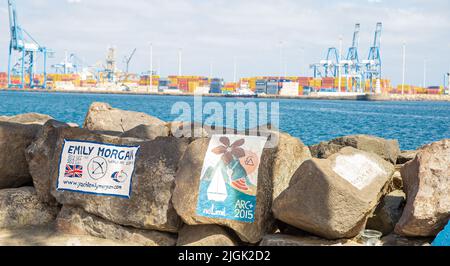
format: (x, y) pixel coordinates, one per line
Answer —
(412, 123)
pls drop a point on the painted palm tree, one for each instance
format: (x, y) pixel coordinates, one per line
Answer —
(231, 155)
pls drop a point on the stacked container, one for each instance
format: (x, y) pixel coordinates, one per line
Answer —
(3, 80)
(261, 86)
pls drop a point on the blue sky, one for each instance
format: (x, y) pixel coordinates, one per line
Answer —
(250, 30)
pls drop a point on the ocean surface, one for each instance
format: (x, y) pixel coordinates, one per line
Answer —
(412, 123)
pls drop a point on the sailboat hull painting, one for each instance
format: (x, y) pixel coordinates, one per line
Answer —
(229, 178)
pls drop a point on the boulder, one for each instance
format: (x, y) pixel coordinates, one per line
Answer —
(21, 207)
(388, 212)
(185, 196)
(38, 236)
(14, 139)
(324, 149)
(40, 156)
(334, 197)
(287, 240)
(149, 206)
(406, 156)
(75, 221)
(102, 117)
(290, 154)
(204, 235)
(30, 118)
(394, 240)
(427, 187)
(387, 149)
(192, 130)
(146, 132)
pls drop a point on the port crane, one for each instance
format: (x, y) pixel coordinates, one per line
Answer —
(127, 61)
(372, 66)
(355, 69)
(24, 52)
(71, 64)
(329, 66)
(351, 63)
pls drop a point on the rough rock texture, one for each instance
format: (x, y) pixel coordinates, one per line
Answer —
(47, 236)
(152, 184)
(102, 117)
(204, 235)
(387, 149)
(406, 156)
(334, 197)
(14, 139)
(185, 195)
(287, 240)
(40, 156)
(21, 207)
(75, 221)
(388, 212)
(147, 132)
(291, 153)
(427, 187)
(30, 118)
(396, 240)
(188, 130)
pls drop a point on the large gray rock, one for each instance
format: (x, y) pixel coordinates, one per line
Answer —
(75, 221)
(427, 187)
(204, 235)
(334, 197)
(191, 130)
(394, 240)
(14, 139)
(149, 206)
(20, 207)
(102, 117)
(185, 196)
(290, 154)
(406, 156)
(288, 240)
(30, 118)
(388, 212)
(387, 149)
(146, 132)
(32, 236)
(40, 156)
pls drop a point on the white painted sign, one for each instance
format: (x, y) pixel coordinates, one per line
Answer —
(96, 168)
(357, 169)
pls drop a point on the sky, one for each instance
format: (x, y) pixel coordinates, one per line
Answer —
(219, 32)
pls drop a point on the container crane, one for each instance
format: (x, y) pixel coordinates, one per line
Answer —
(329, 66)
(71, 64)
(373, 63)
(351, 64)
(27, 50)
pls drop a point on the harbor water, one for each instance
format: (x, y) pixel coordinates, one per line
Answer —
(412, 123)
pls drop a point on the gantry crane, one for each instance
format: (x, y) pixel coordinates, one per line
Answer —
(351, 64)
(329, 66)
(24, 52)
(72, 64)
(372, 66)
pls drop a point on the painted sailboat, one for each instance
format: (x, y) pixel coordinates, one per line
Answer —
(217, 190)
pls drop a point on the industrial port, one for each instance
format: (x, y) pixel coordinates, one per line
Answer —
(339, 73)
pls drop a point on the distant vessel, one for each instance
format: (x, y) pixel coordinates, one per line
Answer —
(217, 190)
(242, 93)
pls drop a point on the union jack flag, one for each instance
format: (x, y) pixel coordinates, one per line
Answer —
(73, 171)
